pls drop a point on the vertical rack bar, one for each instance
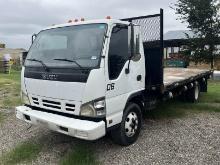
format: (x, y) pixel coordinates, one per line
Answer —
(162, 47)
(161, 29)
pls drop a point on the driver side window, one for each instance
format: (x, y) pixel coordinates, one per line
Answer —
(118, 51)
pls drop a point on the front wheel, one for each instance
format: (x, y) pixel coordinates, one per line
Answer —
(129, 129)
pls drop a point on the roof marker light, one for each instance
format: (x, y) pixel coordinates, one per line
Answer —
(70, 21)
(76, 20)
(82, 19)
(108, 17)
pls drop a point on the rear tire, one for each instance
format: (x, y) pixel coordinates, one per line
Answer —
(129, 129)
(193, 94)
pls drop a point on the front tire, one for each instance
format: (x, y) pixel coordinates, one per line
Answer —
(129, 129)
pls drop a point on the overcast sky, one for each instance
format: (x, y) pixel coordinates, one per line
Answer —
(19, 19)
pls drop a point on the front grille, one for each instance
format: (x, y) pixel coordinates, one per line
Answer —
(70, 107)
(51, 102)
(35, 100)
(53, 105)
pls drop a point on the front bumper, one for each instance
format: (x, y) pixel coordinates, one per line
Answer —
(82, 129)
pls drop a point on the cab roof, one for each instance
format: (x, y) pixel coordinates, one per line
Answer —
(105, 21)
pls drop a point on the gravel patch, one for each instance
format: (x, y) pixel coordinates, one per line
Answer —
(13, 131)
(194, 139)
(191, 140)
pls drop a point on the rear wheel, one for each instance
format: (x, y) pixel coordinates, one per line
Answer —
(193, 94)
(129, 129)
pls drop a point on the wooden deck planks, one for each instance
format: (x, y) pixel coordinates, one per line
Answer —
(175, 75)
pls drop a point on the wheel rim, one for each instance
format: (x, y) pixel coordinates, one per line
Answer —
(196, 93)
(131, 124)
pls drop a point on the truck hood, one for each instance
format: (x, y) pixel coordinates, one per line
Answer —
(55, 89)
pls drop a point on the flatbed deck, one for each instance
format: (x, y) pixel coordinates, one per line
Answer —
(174, 77)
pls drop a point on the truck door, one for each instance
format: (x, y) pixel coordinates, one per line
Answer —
(119, 83)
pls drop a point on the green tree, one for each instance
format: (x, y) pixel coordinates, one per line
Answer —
(203, 19)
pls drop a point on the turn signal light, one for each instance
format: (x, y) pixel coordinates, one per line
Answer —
(108, 17)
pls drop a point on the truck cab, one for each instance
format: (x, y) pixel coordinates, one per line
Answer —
(78, 77)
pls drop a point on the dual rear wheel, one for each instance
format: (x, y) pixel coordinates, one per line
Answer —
(192, 95)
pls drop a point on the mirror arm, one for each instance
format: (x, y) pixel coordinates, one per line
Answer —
(127, 70)
(33, 37)
(24, 55)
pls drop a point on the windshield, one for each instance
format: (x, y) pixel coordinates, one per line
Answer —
(81, 43)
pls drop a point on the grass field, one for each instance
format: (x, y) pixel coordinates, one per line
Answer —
(80, 155)
(9, 90)
(1, 117)
(23, 153)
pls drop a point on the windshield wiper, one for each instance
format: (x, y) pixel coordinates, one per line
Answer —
(42, 63)
(68, 60)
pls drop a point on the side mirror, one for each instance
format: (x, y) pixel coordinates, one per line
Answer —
(134, 44)
(34, 36)
(24, 56)
(137, 55)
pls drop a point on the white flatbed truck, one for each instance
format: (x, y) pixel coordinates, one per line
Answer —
(87, 78)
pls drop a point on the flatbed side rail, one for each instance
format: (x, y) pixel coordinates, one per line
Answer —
(191, 79)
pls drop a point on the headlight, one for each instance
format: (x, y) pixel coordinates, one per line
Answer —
(87, 110)
(94, 108)
(24, 98)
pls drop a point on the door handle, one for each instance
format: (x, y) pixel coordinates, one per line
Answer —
(139, 77)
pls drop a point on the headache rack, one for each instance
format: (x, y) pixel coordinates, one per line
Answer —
(152, 35)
